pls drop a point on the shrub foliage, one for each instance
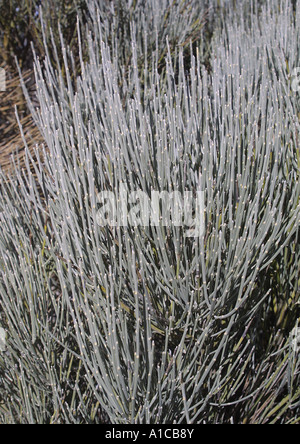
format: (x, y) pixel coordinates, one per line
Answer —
(144, 324)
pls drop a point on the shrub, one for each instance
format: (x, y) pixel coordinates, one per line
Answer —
(21, 27)
(142, 324)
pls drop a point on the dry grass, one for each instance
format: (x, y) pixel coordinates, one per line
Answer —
(11, 142)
